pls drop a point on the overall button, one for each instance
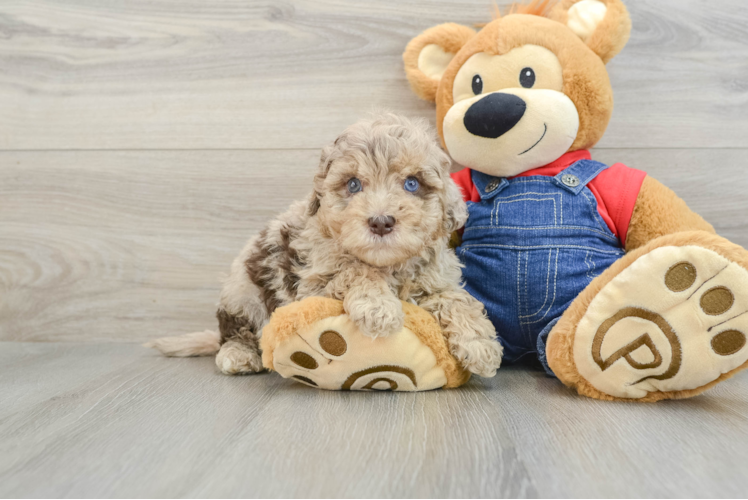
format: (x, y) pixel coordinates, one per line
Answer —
(491, 187)
(570, 180)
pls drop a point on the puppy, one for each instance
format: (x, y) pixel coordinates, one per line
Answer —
(374, 231)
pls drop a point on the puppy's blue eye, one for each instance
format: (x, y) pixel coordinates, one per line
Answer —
(411, 184)
(354, 185)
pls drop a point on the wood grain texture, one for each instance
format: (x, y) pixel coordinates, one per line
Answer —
(143, 142)
(116, 420)
(185, 74)
(128, 246)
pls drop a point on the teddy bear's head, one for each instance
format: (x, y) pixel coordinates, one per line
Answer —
(525, 89)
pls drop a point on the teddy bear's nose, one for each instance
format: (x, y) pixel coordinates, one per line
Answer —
(494, 115)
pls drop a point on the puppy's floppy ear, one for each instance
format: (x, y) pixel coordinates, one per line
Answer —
(329, 153)
(604, 25)
(427, 56)
(455, 209)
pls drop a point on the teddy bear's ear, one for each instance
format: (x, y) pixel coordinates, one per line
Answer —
(428, 55)
(604, 25)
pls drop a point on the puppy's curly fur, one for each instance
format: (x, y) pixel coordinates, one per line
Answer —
(325, 246)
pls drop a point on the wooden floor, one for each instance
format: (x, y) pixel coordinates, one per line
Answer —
(142, 142)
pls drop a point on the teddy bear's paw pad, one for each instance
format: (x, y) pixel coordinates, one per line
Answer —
(333, 354)
(675, 320)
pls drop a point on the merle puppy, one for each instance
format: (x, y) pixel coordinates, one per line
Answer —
(374, 231)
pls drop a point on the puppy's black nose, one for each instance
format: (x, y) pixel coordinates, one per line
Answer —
(494, 115)
(381, 225)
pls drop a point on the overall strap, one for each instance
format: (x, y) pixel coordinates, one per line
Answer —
(488, 186)
(576, 176)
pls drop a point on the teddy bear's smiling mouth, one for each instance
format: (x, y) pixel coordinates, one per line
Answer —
(545, 130)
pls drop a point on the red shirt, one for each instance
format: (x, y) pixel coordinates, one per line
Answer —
(616, 189)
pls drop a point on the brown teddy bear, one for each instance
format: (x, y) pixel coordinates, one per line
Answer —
(603, 273)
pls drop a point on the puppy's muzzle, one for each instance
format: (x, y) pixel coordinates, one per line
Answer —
(381, 225)
(494, 115)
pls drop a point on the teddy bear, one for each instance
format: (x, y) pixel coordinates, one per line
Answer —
(599, 271)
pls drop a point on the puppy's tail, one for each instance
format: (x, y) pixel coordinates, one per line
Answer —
(204, 343)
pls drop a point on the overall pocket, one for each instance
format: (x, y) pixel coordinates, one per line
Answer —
(528, 209)
(538, 288)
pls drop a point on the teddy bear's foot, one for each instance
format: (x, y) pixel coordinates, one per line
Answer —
(315, 343)
(670, 325)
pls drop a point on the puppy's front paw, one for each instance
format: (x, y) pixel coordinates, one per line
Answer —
(376, 316)
(479, 356)
(235, 358)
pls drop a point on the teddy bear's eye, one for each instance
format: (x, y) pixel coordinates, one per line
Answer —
(477, 84)
(527, 78)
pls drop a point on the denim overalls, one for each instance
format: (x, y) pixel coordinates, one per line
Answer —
(530, 246)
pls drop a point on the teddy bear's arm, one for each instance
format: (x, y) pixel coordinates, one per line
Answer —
(659, 211)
